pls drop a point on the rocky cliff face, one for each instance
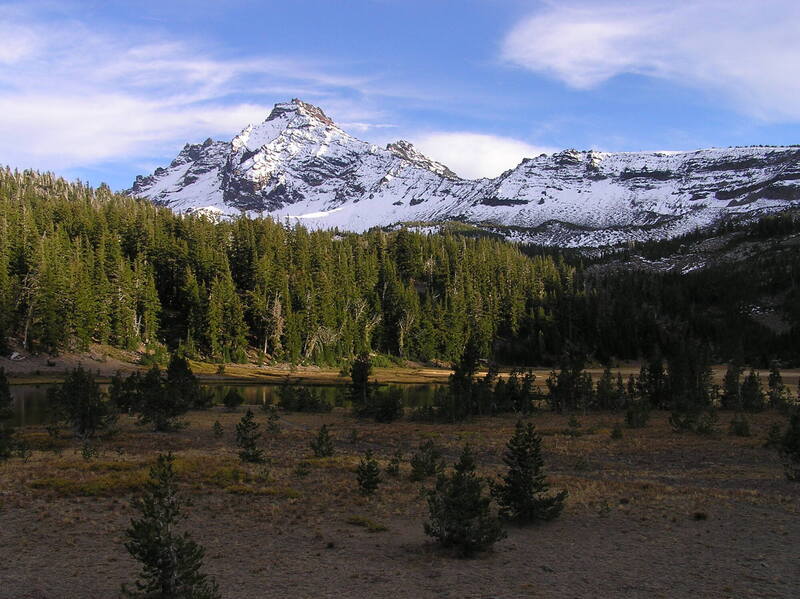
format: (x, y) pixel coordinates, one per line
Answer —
(298, 164)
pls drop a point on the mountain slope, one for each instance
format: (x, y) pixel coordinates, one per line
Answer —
(299, 164)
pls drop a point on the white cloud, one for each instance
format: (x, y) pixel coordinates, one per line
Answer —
(747, 51)
(71, 96)
(475, 155)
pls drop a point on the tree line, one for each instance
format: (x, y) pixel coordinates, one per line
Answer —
(82, 265)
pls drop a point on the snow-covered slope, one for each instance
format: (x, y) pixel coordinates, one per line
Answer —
(298, 164)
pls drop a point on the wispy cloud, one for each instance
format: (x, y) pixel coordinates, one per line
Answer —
(475, 155)
(746, 53)
(72, 96)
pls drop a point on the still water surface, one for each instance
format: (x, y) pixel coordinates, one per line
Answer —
(31, 405)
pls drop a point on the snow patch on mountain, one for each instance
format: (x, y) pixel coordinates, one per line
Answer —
(298, 164)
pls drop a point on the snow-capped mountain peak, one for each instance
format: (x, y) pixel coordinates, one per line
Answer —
(299, 164)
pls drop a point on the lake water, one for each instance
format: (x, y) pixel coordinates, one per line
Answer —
(31, 405)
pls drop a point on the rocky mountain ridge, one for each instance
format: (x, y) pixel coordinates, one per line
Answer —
(300, 166)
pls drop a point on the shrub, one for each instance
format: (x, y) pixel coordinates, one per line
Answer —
(460, 514)
(522, 493)
(171, 562)
(302, 399)
(247, 437)
(322, 445)
(370, 525)
(217, 429)
(368, 474)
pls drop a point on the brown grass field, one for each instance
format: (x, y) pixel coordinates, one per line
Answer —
(654, 514)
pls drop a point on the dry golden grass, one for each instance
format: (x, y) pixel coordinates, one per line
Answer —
(290, 524)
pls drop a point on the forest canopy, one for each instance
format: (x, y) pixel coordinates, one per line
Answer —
(82, 265)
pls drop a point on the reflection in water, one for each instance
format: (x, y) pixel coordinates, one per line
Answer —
(31, 406)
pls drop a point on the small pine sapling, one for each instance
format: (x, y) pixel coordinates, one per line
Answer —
(6, 442)
(247, 437)
(637, 413)
(774, 437)
(522, 491)
(322, 445)
(790, 448)
(171, 562)
(739, 426)
(368, 474)
(393, 467)
(273, 420)
(427, 461)
(460, 513)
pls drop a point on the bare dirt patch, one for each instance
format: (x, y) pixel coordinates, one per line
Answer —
(655, 514)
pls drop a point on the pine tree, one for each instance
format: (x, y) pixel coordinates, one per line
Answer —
(778, 394)
(732, 388)
(322, 445)
(156, 405)
(182, 382)
(247, 437)
(171, 562)
(605, 394)
(460, 513)
(739, 426)
(233, 399)
(6, 399)
(522, 494)
(361, 392)
(7, 444)
(393, 467)
(752, 393)
(790, 448)
(80, 403)
(427, 461)
(368, 474)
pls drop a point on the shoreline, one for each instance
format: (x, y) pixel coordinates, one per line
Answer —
(104, 362)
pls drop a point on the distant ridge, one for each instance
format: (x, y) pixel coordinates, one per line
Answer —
(298, 164)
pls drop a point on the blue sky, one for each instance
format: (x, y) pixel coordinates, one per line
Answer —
(104, 91)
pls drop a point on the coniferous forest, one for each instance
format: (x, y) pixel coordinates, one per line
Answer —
(80, 265)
